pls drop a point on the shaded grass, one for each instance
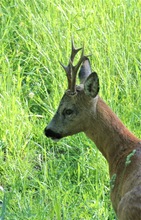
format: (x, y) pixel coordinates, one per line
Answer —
(67, 180)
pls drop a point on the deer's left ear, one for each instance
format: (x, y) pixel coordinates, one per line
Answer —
(91, 85)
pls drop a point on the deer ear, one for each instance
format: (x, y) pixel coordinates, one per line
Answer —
(85, 70)
(91, 85)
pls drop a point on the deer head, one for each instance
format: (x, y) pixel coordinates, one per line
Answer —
(75, 105)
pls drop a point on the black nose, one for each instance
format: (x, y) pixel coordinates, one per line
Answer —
(51, 134)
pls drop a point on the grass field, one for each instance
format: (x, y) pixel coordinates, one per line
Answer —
(68, 180)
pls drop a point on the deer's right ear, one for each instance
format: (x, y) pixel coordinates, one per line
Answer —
(85, 70)
(91, 85)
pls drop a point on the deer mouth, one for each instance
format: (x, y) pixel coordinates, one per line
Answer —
(53, 135)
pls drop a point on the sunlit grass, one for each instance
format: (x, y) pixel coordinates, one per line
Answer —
(68, 180)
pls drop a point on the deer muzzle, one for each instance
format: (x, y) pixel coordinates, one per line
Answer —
(51, 134)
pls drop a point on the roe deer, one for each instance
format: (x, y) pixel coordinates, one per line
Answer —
(82, 110)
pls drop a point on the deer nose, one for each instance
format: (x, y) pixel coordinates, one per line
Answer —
(51, 134)
(48, 132)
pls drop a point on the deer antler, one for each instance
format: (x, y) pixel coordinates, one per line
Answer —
(71, 70)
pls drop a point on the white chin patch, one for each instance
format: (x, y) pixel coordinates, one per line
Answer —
(55, 139)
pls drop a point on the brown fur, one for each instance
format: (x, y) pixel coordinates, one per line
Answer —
(123, 153)
(118, 145)
(84, 111)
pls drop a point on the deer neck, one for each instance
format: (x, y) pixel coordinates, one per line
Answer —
(109, 134)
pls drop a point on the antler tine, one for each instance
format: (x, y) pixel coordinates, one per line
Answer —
(68, 73)
(68, 68)
(74, 50)
(75, 69)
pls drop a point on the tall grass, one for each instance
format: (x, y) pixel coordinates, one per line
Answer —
(68, 180)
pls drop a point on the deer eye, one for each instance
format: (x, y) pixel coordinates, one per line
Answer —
(68, 111)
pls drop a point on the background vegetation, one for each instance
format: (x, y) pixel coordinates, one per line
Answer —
(68, 180)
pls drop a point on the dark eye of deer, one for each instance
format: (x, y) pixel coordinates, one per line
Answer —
(68, 111)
